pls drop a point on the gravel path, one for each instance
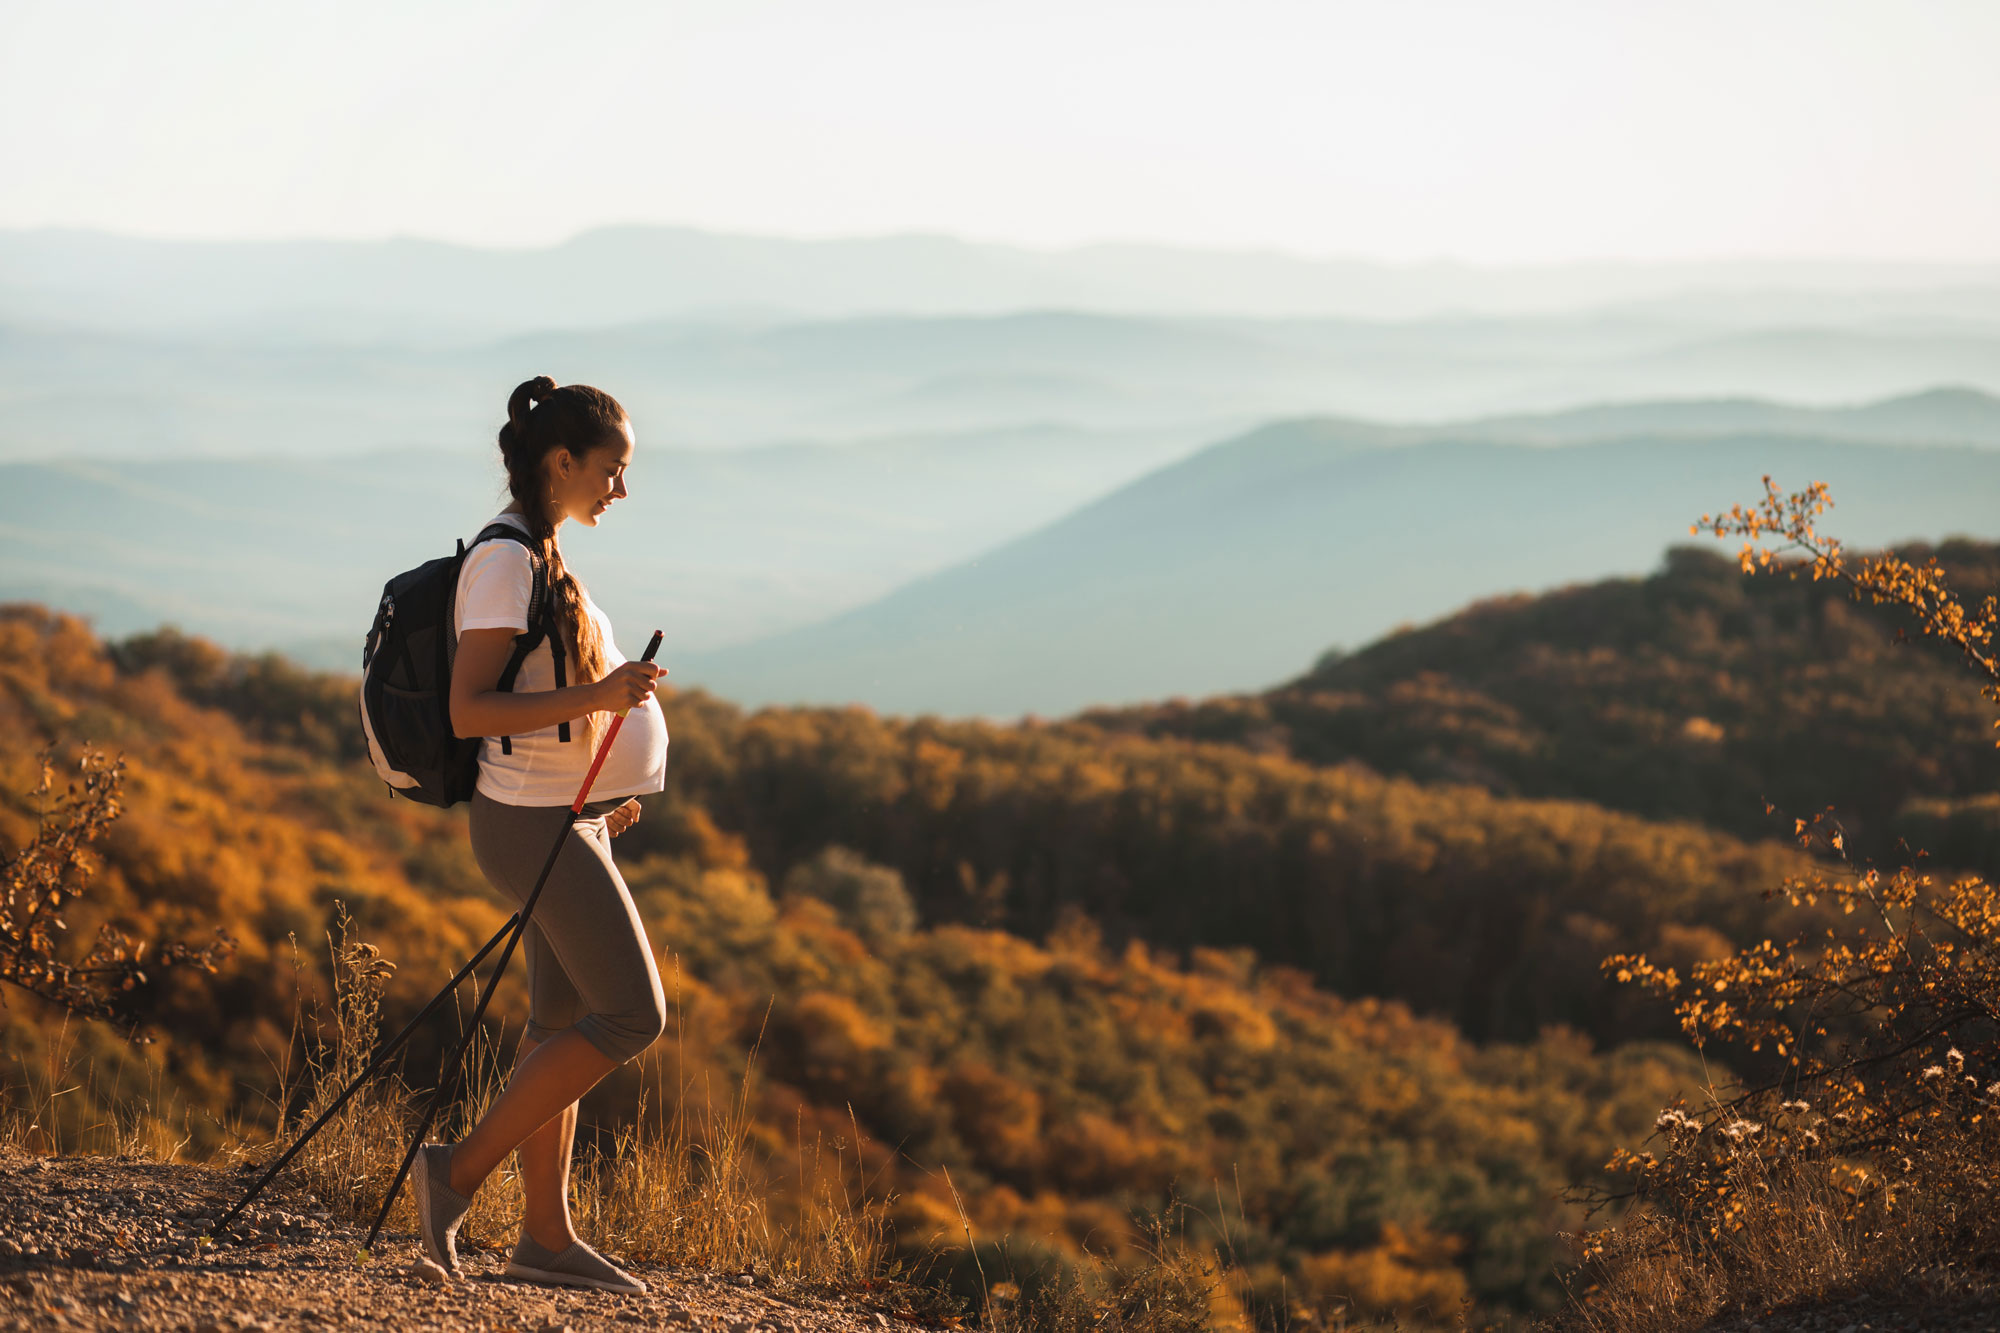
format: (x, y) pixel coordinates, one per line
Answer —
(103, 1243)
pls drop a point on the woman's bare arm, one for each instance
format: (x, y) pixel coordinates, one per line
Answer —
(478, 709)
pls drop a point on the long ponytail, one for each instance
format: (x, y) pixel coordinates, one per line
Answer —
(540, 419)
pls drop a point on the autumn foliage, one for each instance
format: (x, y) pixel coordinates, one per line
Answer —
(48, 877)
(1070, 1081)
(1861, 1156)
(1026, 993)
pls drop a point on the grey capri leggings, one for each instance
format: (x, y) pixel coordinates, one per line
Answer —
(589, 964)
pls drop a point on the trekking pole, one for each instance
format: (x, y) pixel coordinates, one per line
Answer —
(448, 1077)
(381, 1058)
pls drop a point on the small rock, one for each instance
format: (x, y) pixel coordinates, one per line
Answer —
(881, 1319)
(425, 1271)
(747, 1279)
(8, 1249)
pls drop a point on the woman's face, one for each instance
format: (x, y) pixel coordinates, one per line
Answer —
(584, 485)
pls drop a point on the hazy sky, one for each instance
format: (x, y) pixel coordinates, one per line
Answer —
(1492, 130)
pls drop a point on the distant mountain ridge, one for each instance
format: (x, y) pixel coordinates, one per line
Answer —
(1236, 566)
(729, 549)
(713, 545)
(364, 289)
(78, 393)
(1948, 414)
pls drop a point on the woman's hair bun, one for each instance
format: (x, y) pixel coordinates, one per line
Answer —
(536, 390)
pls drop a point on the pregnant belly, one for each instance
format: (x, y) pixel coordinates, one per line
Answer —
(639, 755)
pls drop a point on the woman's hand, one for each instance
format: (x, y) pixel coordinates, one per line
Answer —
(627, 686)
(619, 818)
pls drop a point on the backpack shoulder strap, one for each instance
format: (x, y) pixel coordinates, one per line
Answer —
(541, 623)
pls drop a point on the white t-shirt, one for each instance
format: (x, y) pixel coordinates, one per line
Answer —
(494, 586)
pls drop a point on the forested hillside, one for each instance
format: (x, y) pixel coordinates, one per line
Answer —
(1695, 693)
(1490, 912)
(803, 882)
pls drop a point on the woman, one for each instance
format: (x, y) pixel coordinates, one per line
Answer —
(595, 998)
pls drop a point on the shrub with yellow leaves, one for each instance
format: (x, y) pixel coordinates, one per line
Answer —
(50, 875)
(1859, 1149)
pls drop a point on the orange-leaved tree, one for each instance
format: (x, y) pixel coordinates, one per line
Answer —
(48, 874)
(1859, 1145)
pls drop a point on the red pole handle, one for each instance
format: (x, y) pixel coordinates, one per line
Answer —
(616, 722)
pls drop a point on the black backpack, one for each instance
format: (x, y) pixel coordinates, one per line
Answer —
(406, 675)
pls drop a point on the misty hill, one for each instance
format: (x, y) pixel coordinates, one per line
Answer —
(701, 385)
(1232, 568)
(1935, 416)
(712, 545)
(365, 291)
(718, 547)
(1697, 692)
(75, 393)
(82, 394)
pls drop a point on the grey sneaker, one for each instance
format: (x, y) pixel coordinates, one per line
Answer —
(440, 1208)
(576, 1266)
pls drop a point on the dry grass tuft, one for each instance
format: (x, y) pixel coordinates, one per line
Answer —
(74, 1101)
(690, 1191)
(1801, 1231)
(1169, 1286)
(694, 1193)
(350, 1160)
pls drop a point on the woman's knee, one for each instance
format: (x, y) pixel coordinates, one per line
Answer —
(628, 1032)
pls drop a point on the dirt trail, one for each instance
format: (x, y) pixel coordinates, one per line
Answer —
(1933, 1313)
(105, 1243)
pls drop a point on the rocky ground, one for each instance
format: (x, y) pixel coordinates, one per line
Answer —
(111, 1243)
(1932, 1313)
(1939, 1311)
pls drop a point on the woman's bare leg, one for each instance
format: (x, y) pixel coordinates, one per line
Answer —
(547, 1081)
(545, 1160)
